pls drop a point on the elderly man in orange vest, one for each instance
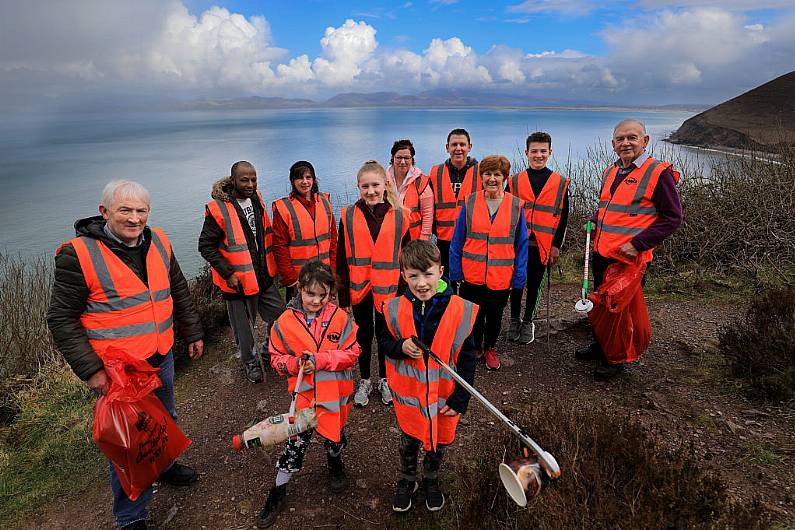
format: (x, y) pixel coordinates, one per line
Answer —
(237, 242)
(118, 284)
(639, 207)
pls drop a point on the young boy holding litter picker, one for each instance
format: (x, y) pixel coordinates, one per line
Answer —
(319, 338)
(428, 402)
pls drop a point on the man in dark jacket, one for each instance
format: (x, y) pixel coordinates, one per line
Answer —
(237, 202)
(92, 274)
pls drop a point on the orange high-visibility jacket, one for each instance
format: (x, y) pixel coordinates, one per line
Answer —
(488, 254)
(121, 310)
(543, 212)
(234, 247)
(421, 387)
(373, 265)
(310, 239)
(411, 201)
(330, 392)
(629, 211)
(446, 203)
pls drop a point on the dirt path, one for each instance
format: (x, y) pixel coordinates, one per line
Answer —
(674, 390)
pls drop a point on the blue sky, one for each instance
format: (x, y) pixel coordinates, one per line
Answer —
(639, 52)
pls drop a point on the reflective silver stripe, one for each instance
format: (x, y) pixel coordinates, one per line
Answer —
(623, 230)
(121, 332)
(620, 208)
(392, 316)
(359, 261)
(294, 218)
(243, 268)
(359, 286)
(516, 215)
(329, 214)
(100, 267)
(470, 206)
(544, 229)
(540, 208)
(305, 242)
(161, 248)
(118, 304)
(503, 240)
(352, 259)
(500, 262)
(347, 331)
(344, 400)
(445, 223)
(383, 265)
(165, 325)
(385, 290)
(515, 183)
(473, 257)
(230, 233)
(606, 172)
(462, 331)
(412, 402)
(331, 406)
(559, 196)
(162, 294)
(325, 375)
(440, 187)
(320, 257)
(278, 330)
(304, 386)
(234, 248)
(643, 185)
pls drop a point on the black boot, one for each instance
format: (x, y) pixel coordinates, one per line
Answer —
(273, 506)
(178, 475)
(592, 352)
(606, 371)
(137, 525)
(338, 480)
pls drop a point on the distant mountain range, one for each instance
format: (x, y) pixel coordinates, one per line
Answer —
(429, 98)
(758, 119)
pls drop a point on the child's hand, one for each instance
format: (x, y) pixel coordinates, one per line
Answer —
(447, 411)
(309, 366)
(411, 349)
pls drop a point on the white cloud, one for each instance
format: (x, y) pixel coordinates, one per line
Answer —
(565, 7)
(344, 50)
(723, 4)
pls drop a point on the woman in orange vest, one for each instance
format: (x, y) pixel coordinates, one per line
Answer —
(315, 336)
(413, 189)
(489, 252)
(546, 196)
(371, 233)
(303, 226)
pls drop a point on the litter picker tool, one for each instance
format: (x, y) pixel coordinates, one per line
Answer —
(524, 477)
(549, 286)
(584, 305)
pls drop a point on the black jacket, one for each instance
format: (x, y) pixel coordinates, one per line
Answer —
(212, 236)
(427, 316)
(70, 295)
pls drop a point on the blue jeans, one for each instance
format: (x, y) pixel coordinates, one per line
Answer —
(125, 510)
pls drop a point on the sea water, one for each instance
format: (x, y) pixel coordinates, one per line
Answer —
(54, 166)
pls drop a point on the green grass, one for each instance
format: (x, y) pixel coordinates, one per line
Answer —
(761, 454)
(47, 452)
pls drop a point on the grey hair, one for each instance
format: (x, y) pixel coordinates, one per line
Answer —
(122, 189)
(627, 121)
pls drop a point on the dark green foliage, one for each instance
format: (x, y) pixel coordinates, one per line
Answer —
(760, 348)
(209, 303)
(615, 474)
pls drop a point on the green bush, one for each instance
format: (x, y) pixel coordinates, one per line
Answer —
(760, 347)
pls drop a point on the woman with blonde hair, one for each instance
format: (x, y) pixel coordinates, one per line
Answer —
(371, 234)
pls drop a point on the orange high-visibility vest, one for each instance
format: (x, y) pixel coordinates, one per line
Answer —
(488, 254)
(543, 212)
(629, 211)
(373, 265)
(421, 387)
(121, 310)
(310, 239)
(446, 203)
(411, 201)
(234, 247)
(330, 392)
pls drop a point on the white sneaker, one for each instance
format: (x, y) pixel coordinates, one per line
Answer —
(363, 390)
(386, 395)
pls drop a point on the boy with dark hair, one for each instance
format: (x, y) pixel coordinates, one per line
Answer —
(546, 196)
(427, 401)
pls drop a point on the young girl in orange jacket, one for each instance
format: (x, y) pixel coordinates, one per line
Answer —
(319, 338)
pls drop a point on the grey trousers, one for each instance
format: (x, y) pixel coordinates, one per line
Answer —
(268, 304)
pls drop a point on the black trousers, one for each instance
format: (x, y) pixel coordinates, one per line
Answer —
(535, 286)
(292, 457)
(444, 250)
(489, 320)
(370, 322)
(409, 449)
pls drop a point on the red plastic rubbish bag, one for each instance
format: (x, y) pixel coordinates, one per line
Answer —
(132, 427)
(619, 317)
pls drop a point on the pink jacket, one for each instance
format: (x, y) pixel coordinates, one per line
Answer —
(329, 360)
(426, 197)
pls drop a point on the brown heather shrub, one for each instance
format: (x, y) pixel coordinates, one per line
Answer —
(615, 474)
(210, 305)
(760, 347)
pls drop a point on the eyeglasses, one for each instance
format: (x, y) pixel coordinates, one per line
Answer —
(404, 159)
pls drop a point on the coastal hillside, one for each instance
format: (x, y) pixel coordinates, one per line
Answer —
(760, 119)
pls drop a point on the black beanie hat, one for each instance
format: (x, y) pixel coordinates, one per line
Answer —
(295, 173)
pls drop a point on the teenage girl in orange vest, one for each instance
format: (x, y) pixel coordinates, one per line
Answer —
(315, 336)
(489, 252)
(303, 226)
(371, 233)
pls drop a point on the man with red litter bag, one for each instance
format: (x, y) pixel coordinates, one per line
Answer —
(638, 208)
(118, 286)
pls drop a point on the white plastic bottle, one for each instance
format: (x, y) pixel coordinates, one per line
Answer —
(275, 430)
